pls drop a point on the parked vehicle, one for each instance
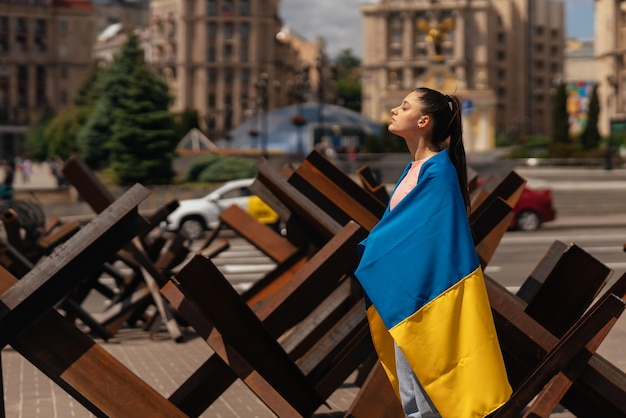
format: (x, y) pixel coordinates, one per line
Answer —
(195, 216)
(533, 208)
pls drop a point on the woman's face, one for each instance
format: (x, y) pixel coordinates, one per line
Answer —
(406, 118)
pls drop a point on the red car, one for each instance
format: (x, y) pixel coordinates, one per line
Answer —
(533, 208)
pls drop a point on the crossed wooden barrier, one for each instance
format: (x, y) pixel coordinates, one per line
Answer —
(53, 344)
(300, 331)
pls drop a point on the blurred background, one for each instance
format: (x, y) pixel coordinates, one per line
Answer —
(148, 90)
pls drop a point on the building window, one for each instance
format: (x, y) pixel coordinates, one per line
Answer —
(418, 72)
(63, 97)
(211, 7)
(211, 100)
(243, 53)
(421, 51)
(63, 71)
(22, 86)
(227, 7)
(539, 31)
(244, 30)
(229, 30)
(211, 29)
(244, 76)
(4, 34)
(228, 75)
(63, 27)
(40, 87)
(501, 37)
(244, 7)
(501, 55)
(501, 74)
(212, 75)
(210, 53)
(228, 53)
(4, 95)
(21, 34)
(501, 92)
(395, 35)
(539, 65)
(394, 78)
(539, 47)
(40, 35)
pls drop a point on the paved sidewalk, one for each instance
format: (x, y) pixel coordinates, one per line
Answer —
(165, 364)
(162, 363)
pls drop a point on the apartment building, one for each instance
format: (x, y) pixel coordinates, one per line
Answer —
(45, 51)
(610, 57)
(227, 59)
(513, 48)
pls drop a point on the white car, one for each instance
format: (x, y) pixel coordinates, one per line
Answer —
(195, 216)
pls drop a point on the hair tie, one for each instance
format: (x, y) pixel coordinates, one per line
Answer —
(449, 100)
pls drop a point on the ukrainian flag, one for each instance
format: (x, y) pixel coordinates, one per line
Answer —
(424, 288)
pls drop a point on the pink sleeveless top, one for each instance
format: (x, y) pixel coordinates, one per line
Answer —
(407, 184)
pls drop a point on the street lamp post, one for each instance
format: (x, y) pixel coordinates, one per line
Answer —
(326, 71)
(298, 94)
(319, 65)
(262, 87)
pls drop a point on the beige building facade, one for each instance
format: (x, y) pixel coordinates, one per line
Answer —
(45, 51)
(511, 49)
(610, 63)
(227, 59)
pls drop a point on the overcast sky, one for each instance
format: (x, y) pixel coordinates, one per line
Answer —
(339, 22)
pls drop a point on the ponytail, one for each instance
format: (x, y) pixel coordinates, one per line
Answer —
(447, 131)
(456, 149)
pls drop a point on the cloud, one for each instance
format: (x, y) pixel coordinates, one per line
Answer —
(339, 22)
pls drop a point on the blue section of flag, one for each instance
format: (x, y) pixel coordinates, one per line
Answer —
(421, 248)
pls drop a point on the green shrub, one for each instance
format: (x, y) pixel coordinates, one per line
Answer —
(537, 141)
(200, 164)
(227, 168)
(219, 168)
(519, 152)
(562, 150)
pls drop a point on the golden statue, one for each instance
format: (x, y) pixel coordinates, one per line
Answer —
(436, 34)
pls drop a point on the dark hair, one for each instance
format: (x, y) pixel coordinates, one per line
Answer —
(446, 113)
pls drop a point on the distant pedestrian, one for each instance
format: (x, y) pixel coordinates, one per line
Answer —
(27, 169)
(57, 171)
(6, 187)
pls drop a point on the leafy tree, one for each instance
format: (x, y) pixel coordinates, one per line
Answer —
(61, 132)
(88, 91)
(111, 87)
(94, 134)
(143, 141)
(36, 145)
(590, 137)
(185, 121)
(560, 117)
(349, 79)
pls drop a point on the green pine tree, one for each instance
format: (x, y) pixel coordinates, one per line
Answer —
(88, 91)
(560, 117)
(61, 132)
(143, 139)
(590, 137)
(349, 79)
(111, 87)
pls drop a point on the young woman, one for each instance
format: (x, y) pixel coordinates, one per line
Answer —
(427, 305)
